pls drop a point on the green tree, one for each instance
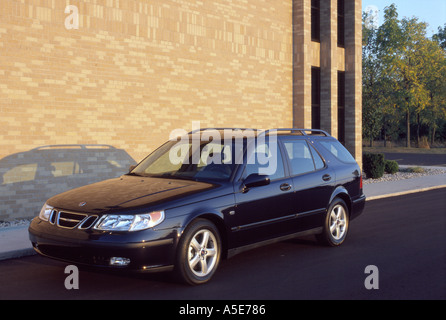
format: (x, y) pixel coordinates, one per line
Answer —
(371, 95)
(403, 50)
(440, 37)
(403, 72)
(435, 112)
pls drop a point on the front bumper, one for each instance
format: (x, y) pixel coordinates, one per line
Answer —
(148, 250)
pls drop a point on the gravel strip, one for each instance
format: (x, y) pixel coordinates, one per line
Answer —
(15, 223)
(402, 174)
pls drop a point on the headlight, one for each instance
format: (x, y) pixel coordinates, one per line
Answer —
(45, 212)
(119, 222)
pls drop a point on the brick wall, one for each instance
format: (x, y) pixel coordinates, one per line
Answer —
(134, 71)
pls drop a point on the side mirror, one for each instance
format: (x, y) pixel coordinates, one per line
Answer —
(131, 168)
(255, 180)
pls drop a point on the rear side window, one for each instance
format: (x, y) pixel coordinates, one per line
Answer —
(318, 162)
(338, 150)
(301, 157)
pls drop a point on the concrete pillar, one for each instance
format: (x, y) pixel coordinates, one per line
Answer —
(302, 63)
(329, 61)
(353, 78)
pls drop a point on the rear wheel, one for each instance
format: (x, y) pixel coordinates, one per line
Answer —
(336, 224)
(199, 252)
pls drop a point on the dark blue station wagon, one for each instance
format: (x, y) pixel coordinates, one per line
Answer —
(203, 197)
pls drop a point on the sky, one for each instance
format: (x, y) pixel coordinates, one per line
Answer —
(431, 11)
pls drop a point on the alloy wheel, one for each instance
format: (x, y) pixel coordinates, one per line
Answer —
(338, 222)
(202, 253)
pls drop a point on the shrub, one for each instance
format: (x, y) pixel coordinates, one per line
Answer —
(416, 170)
(391, 166)
(373, 165)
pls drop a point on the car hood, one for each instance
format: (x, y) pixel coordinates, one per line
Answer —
(126, 193)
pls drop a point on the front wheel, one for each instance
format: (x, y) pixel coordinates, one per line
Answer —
(199, 252)
(336, 224)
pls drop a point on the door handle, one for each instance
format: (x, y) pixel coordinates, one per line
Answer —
(285, 187)
(326, 177)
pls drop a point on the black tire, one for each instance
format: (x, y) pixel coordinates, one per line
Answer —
(336, 224)
(199, 252)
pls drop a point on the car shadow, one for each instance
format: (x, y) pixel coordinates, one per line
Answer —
(28, 179)
(305, 241)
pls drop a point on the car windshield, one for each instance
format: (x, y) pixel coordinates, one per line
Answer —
(192, 160)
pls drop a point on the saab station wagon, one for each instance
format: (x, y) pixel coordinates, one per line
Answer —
(204, 197)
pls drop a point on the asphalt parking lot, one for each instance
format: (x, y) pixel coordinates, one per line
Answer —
(419, 159)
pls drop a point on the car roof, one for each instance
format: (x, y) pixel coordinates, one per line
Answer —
(251, 132)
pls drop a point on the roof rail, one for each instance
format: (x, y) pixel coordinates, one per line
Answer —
(203, 129)
(301, 131)
(292, 130)
(75, 146)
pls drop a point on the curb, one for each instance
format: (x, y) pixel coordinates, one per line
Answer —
(14, 243)
(402, 193)
(19, 253)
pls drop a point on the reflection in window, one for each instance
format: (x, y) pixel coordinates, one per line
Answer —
(62, 169)
(318, 162)
(300, 157)
(190, 160)
(21, 173)
(303, 158)
(338, 150)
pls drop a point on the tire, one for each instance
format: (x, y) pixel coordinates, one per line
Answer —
(336, 224)
(199, 252)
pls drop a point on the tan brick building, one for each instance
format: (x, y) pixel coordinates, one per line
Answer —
(97, 98)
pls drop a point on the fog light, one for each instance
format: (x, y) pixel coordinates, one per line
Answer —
(119, 261)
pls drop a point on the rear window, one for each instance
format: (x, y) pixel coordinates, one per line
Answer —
(338, 150)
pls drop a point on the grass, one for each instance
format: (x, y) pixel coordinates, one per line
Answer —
(405, 150)
(415, 170)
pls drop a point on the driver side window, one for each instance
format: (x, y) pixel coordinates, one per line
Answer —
(265, 160)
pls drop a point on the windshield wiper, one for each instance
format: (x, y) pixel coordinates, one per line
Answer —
(136, 174)
(171, 175)
(166, 175)
(183, 178)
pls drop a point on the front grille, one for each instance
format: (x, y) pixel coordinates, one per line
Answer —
(69, 220)
(88, 222)
(53, 216)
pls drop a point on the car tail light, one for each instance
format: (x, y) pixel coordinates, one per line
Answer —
(360, 182)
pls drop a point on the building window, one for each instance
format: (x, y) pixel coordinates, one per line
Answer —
(315, 20)
(341, 106)
(315, 98)
(341, 23)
